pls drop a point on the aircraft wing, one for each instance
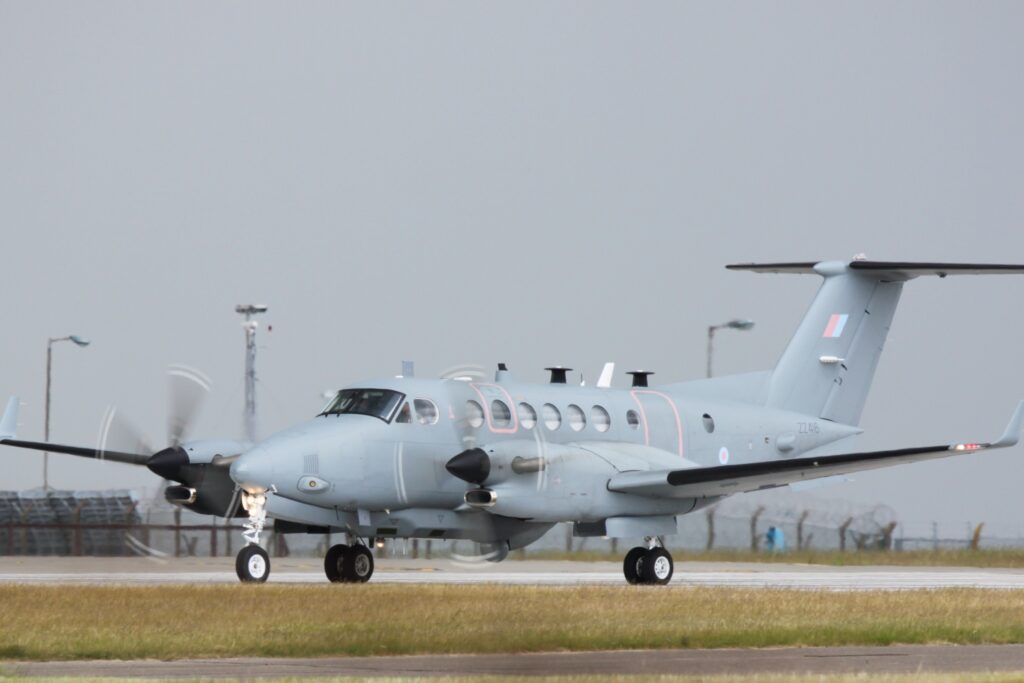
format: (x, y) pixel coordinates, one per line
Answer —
(113, 456)
(9, 428)
(708, 482)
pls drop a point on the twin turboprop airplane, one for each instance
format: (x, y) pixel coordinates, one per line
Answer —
(500, 462)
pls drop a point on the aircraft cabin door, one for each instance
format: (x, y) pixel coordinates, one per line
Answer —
(659, 420)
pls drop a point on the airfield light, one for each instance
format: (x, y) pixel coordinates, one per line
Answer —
(77, 340)
(734, 324)
(250, 325)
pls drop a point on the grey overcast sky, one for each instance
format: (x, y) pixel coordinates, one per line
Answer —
(529, 182)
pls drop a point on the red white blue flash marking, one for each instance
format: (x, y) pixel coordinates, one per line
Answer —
(835, 325)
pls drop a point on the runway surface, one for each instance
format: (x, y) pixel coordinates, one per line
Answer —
(142, 571)
(870, 660)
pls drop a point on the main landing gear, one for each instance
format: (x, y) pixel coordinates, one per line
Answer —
(348, 564)
(651, 565)
(253, 564)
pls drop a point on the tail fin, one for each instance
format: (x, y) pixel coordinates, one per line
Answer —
(827, 368)
(9, 421)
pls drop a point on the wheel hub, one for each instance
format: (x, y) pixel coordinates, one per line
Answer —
(257, 566)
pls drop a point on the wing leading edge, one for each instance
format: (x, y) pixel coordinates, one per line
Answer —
(707, 482)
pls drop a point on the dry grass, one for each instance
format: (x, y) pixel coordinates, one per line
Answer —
(85, 622)
(1011, 558)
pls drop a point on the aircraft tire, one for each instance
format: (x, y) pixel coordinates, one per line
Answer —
(252, 564)
(632, 566)
(658, 567)
(357, 564)
(332, 562)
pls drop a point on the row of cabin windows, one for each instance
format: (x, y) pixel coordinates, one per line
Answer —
(551, 416)
(501, 416)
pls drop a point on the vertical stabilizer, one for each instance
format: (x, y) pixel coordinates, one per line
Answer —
(827, 368)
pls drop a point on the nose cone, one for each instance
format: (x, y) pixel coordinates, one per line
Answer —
(169, 463)
(254, 470)
(472, 465)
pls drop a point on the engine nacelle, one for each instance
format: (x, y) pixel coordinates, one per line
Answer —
(202, 452)
(202, 470)
(503, 461)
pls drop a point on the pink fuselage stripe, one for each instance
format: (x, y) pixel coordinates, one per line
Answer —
(675, 411)
(514, 421)
(832, 322)
(643, 417)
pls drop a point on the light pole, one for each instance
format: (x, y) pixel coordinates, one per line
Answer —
(77, 341)
(734, 324)
(250, 325)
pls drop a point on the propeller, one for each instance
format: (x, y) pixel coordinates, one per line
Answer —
(472, 465)
(467, 417)
(206, 486)
(188, 388)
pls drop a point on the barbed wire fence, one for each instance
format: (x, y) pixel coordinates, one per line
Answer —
(123, 522)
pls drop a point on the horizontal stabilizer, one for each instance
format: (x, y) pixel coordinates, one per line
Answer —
(802, 267)
(709, 482)
(903, 270)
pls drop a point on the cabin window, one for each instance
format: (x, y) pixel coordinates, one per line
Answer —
(404, 415)
(474, 414)
(709, 423)
(527, 416)
(577, 420)
(426, 411)
(632, 419)
(552, 418)
(600, 418)
(501, 416)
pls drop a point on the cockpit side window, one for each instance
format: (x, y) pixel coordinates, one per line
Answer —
(404, 415)
(426, 411)
(379, 403)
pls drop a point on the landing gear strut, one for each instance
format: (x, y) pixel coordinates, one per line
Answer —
(253, 564)
(650, 566)
(348, 564)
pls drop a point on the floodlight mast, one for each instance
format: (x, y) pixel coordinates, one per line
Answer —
(250, 325)
(734, 324)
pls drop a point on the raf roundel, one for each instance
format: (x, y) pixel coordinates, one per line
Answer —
(723, 455)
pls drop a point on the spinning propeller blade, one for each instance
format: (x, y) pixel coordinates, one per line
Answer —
(188, 388)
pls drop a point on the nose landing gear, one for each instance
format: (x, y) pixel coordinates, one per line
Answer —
(652, 565)
(348, 564)
(252, 565)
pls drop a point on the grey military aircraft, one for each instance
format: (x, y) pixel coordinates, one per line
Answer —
(499, 462)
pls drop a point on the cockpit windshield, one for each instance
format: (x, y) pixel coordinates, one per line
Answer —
(379, 403)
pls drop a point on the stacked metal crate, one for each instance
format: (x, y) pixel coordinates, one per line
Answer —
(41, 507)
(8, 515)
(106, 507)
(60, 512)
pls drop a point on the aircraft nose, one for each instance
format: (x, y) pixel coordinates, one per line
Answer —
(253, 470)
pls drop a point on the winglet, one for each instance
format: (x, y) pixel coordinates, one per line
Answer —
(1012, 434)
(9, 422)
(605, 380)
